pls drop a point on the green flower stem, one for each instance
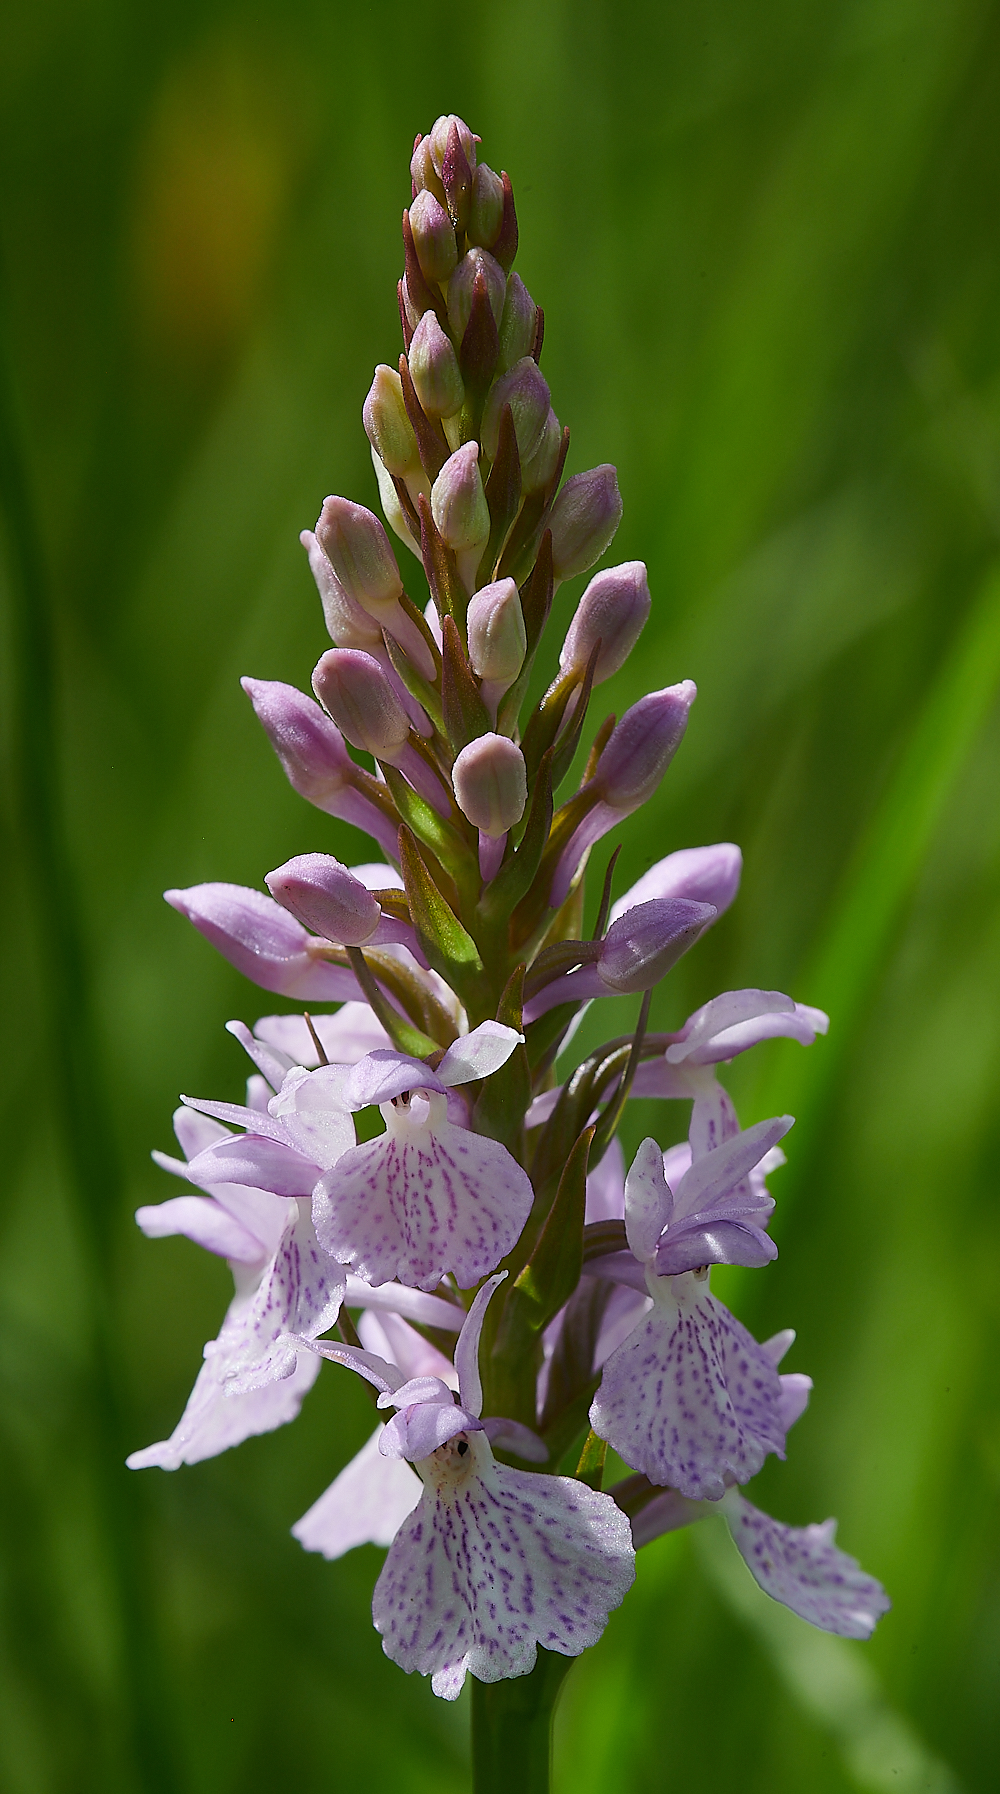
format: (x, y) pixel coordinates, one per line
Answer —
(512, 1729)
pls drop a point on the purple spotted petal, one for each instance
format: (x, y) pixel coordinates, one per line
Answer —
(214, 1420)
(690, 1398)
(795, 1392)
(494, 1562)
(365, 1505)
(261, 1163)
(207, 1223)
(300, 1293)
(421, 1200)
(802, 1567)
(713, 1118)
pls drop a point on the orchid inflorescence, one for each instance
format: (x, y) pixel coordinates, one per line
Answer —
(515, 1299)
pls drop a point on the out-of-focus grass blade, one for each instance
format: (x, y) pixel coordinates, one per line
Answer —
(888, 861)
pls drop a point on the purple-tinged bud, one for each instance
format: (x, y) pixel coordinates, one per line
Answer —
(316, 762)
(357, 548)
(516, 329)
(433, 237)
(497, 639)
(387, 426)
(458, 502)
(583, 520)
(462, 282)
(703, 874)
(638, 752)
(642, 745)
(324, 896)
(434, 369)
(440, 132)
(356, 691)
(526, 391)
(486, 212)
(614, 608)
(349, 624)
(538, 473)
(491, 783)
(640, 948)
(423, 172)
(262, 941)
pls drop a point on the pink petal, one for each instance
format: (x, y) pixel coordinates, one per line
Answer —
(300, 1293)
(421, 1201)
(365, 1505)
(690, 1398)
(648, 1201)
(205, 1222)
(345, 1036)
(263, 1164)
(494, 1562)
(803, 1568)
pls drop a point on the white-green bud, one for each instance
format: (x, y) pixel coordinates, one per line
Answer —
(458, 502)
(434, 369)
(387, 426)
(536, 473)
(433, 237)
(516, 329)
(526, 391)
(491, 783)
(486, 214)
(497, 641)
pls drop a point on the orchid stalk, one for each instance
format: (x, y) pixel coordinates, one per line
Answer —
(520, 1305)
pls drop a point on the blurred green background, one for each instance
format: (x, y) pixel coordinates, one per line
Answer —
(766, 241)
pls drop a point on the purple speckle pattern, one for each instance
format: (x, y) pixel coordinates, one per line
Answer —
(690, 1398)
(803, 1568)
(300, 1292)
(494, 1562)
(420, 1201)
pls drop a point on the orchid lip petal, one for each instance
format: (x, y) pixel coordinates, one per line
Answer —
(804, 1569)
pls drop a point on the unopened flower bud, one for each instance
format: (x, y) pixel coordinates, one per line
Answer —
(640, 948)
(613, 608)
(324, 896)
(538, 472)
(387, 426)
(584, 519)
(516, 329)
(262, 941)
(349, 624)
(462, 282)
(357, 548)
(423, 172)
(491, 783)
(437, 141)
(433, 237)
(458, 502)
(704, 874)
(497, 640)
(316, 762)
(486, 213)
(356, 691)
(525, 389)
(642, 745)
(434, 369)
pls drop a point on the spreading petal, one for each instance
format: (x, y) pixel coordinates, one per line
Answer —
(365, 1505)
(494, 1562)
(345, 1036)
(690, 1398)
(205, 1222)
(215, 1420)
(648, 1201)
(423, 1199)
(479, 1053)
(802, 1567)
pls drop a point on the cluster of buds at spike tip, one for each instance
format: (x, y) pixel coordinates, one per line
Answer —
(462, 965)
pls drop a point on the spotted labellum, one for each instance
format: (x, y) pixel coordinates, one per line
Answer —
(425, 1183)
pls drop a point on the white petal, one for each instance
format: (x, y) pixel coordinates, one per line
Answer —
(423, 1200)
(195, 1132)
(803, 1568)
(727, 1011)
(467, 1347)
(312, 1114)
(205, 1222)
(388, 1336)
(365, 1505)
(213, 1421)
(690, 1398)
(493, 1563)
(345, 1037)
(478, 1054)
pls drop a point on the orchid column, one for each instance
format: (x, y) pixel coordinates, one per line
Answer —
(516, 1302)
